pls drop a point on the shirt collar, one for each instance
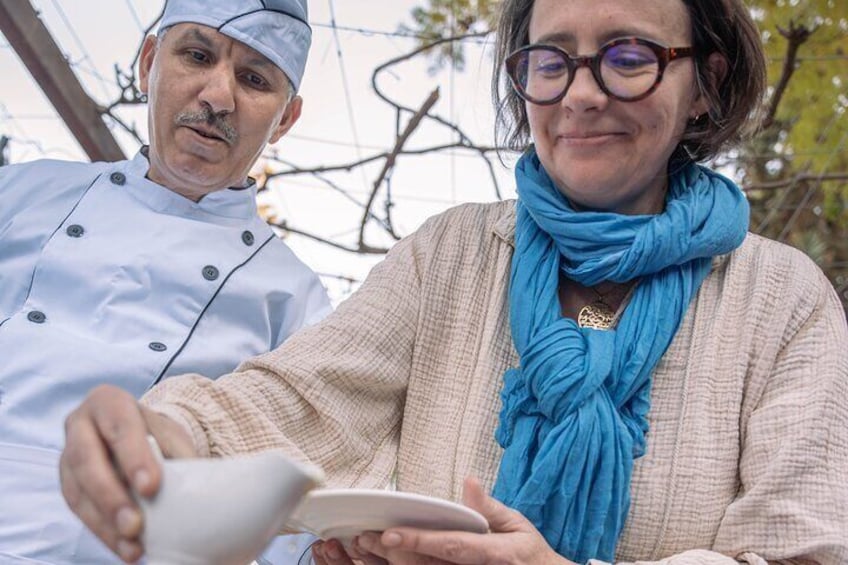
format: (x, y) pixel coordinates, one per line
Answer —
(504, 227)
(235, 202)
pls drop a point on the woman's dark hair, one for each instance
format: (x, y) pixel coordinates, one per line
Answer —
(718, 26)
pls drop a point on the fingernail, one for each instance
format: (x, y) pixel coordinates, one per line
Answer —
(128, 521)
(392, 539)
(333, 552)
(367, 541)
(355, 549)
(141, 480)
(126, 550)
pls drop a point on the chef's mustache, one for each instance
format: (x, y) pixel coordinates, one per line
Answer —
(210, 118)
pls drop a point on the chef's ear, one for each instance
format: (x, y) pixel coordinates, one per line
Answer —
(148, 53)
(288, 119)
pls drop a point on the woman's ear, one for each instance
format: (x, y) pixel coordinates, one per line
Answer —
(715, 70)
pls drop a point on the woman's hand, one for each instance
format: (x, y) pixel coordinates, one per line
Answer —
(106, 440)
(513, 540)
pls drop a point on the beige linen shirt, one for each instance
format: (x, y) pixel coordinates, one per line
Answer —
(747, 454)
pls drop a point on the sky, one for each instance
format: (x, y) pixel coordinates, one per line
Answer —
(343, 120)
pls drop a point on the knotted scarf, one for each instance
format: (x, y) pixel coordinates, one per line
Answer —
(574, 413)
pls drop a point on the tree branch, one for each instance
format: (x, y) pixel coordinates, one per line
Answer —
(392, 156)
(792, 181)
(360, 249)
(796, 35)
(464, 139)
(347, 167)
(264, 186)
(126, 80)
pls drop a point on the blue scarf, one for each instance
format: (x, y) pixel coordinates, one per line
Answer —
(575, 411)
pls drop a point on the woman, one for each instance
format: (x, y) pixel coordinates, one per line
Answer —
(613, 355)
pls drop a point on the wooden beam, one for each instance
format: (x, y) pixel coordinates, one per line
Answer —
(29, 37)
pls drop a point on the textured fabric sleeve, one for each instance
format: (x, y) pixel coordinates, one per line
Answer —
(700, 557)
(693, 557)
(332, 394)
(793, 503)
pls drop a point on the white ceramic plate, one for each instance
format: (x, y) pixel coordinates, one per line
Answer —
(345, 513)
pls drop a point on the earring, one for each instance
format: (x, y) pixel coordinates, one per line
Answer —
(142, 98)
(698, 120)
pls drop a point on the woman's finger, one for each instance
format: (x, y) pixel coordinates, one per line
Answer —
(332, 552)
(501, 518)
(366, 557)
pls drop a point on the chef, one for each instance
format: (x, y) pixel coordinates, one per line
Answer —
(130, 272)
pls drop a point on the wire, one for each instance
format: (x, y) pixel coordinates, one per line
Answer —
(134, 15)
(401, 34)
(346, 87)
(83, 50)
(350, 192)
(452, 109)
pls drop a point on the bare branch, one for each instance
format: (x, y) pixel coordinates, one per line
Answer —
(794, 180)
(128, 128)
(462, 136)
(343, 278)
(264, 186)
(392, 156)
(126, 80)
(295, 170)
(360, 249)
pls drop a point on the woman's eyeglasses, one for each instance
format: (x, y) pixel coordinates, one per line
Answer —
(627, 69)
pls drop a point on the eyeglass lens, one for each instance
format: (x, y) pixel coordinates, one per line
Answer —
(626, 70)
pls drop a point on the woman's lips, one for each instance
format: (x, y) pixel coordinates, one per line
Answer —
(589, 139)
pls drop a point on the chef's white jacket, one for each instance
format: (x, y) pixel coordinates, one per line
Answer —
(108, 277)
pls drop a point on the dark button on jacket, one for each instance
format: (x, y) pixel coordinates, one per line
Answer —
(75, 230)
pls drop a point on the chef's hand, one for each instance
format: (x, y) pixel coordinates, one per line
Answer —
(106, 447)
(513, 540)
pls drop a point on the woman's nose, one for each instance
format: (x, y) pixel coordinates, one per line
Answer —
(584, 93)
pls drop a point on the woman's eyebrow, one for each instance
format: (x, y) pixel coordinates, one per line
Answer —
(569, 38)
(557, 37)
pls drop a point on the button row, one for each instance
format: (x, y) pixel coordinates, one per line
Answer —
(38, 317)
(76, 230)
(120, 179)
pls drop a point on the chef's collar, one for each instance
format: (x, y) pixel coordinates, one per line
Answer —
(237, 203)
(250, 183)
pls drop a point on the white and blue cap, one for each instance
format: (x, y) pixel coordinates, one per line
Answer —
(276, 28)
